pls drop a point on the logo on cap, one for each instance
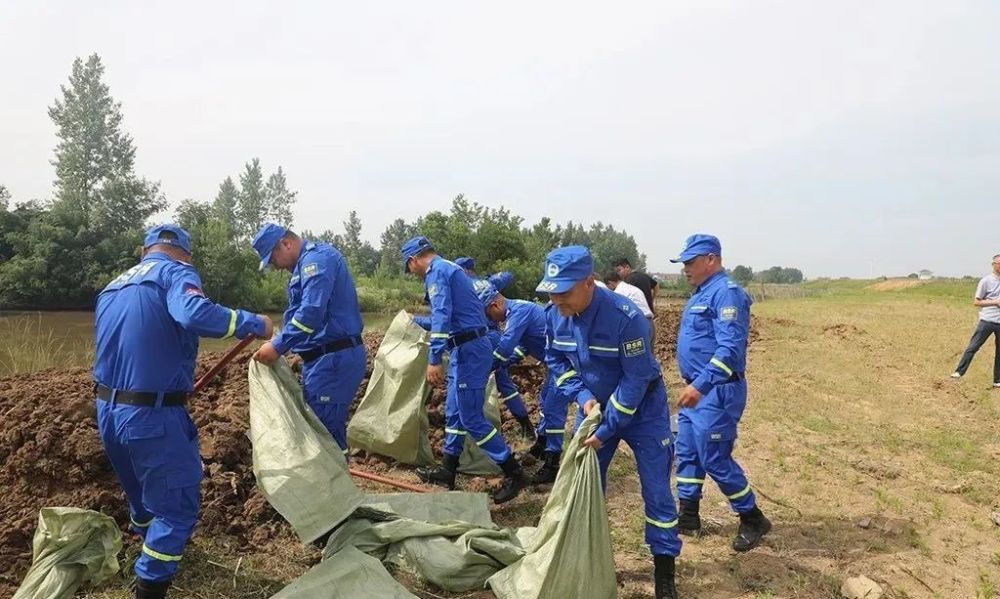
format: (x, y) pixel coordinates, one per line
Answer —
(552, 270)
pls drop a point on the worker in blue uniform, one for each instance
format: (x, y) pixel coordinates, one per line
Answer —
(500, 280)
(711, 354)
(322, 324)
(524, 335)
(599, 351)
(510, 395)
(148, 321)
(459, 326)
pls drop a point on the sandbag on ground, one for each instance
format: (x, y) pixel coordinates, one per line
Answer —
(71, 546)
(454, 545)
(349, 574)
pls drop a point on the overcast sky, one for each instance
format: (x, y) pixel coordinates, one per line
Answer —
(845, 138)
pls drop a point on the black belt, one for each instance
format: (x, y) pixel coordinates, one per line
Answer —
(466, 336)
(329, 348)
(737, 376)
(140, 398)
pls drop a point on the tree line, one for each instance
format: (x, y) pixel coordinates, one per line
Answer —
(59, 253)
(776, 274)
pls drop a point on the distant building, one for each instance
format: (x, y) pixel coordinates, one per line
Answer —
(925, 275)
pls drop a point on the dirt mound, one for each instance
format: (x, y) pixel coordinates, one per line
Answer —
(51, 454)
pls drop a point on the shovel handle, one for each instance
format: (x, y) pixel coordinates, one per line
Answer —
(222, 363)
(389, 481)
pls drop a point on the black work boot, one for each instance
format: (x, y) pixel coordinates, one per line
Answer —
(753, 527)
(547, 473)
(513, 481)
(663, 577)
(688, 520)
(527, 429)
(145, 589)
(443, 475)
(538, 449)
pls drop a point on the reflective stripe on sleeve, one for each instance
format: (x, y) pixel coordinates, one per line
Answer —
(232, 323)
(298, 324)
(566, 375)
(454, 431)
(722, 366)
(440, 335)
(621, 408)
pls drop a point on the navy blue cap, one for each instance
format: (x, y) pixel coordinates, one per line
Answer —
(266, 240)
(466, 262)
(565, 267)
(699, 244)
(183, 240)
(412, 247)
(485, 290)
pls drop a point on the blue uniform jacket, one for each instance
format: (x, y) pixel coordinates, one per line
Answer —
(322, 301)
(148, 321)
(455, 307)
(524, 332)
(712, 345)
(605, 354)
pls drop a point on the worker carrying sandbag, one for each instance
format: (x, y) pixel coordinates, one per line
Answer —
(600, 352)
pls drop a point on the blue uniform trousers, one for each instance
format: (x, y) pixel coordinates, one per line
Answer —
(552, 425)
(468, 371)
(649, 436)
(510, 395)
(330, 384)
(705, 439)
(154, 453)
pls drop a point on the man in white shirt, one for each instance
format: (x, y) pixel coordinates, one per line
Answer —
(615, 283)
(988, 300)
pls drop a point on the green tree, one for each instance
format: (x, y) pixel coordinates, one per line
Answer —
(251, 209)
(95, 158)
(4, 198)
(742, 274)
(227, 202)
(278, 199)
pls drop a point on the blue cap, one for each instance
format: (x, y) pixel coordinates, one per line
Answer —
(266, 240)
(412, 247)
(565, 267)
(485, 290)
(699, 244)
(466, 262)
(183, 240)
(501, 280)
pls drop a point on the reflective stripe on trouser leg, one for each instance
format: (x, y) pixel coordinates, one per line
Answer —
(470, 410)
(170, 469)
(121, 463)
(650, 442)
(727, 473)
(553, 423)
(454, 432)
(330, 384)
(690, 474)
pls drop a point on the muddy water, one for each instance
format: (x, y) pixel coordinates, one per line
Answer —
(36, 340)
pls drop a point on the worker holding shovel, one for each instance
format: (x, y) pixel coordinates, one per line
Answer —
(148, 323)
